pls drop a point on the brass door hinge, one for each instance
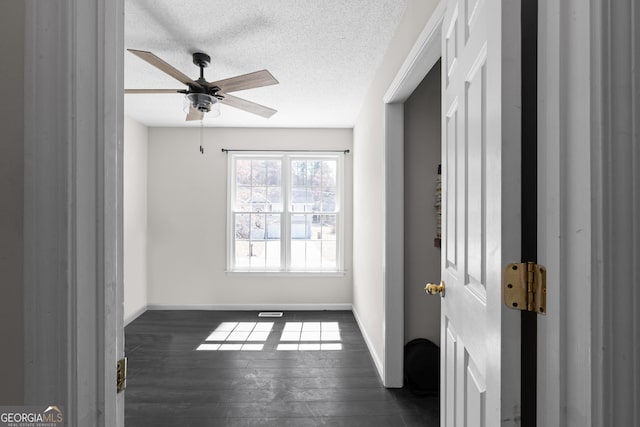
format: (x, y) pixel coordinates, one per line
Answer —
(524, 287)
(121, 378)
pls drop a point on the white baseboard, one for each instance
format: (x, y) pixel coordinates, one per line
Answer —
(133, 316)
(251, 307)
(367, 340)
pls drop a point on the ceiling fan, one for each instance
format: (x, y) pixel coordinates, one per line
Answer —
(203, 95)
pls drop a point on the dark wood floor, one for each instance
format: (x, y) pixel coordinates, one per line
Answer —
(170, 383)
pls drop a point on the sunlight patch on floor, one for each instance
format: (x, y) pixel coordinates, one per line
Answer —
(252, 336)
(309, 347)
(238, 336)
(318, 333)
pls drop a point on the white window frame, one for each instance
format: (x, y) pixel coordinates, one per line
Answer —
(285, 242)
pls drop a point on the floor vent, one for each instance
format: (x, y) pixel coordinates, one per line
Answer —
(270, 314)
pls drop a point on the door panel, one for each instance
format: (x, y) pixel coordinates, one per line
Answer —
(475, 91)
(448, 391)
(450, 150)
(480, 370)
(475, 390)
(450, 47)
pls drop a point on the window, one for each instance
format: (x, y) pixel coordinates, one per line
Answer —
(285, 212)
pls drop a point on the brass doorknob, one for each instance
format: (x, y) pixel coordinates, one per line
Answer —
(433, 289)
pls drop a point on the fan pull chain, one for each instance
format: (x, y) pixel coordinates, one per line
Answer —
(201, 136)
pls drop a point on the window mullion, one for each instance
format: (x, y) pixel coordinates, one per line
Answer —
(231, 235)
(285, 241)
(339, 211)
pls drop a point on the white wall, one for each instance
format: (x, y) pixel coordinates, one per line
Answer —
(12, 22)
(135, 218)
(188, 216)
(421, 160)
(369, 181)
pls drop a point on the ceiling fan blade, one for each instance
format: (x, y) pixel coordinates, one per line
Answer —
(162, 66)
(246, 81)
(194, 114)
(251, 107)
(143, 91)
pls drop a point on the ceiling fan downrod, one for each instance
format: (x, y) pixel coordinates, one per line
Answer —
(201, 60)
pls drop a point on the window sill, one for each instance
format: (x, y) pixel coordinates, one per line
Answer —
(241, 273)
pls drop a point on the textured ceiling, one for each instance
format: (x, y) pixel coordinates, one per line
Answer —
(324, 53)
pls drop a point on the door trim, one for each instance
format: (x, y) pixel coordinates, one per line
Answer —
(565, 189)
(422, 57)
(73, 208)
(589, 220)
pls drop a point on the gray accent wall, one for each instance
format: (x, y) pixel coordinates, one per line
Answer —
(421, 160)
(12, 36)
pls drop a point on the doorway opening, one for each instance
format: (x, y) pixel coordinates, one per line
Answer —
(422, 237)
(422, 157)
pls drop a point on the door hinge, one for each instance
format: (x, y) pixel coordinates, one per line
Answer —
(121, 378)
(524, 287)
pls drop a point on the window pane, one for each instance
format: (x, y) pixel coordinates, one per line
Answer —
(329, 168)
(302, 199)
(242, 255)
(298, 253)
(313, 185)
(329, 200)
(258, 172)
(256, 181)
(328, 227)
(273, 173)
(243, 172)
(298, 173)
(257, 226)
(314, 172)
(274, 195)
(316, 198)
(314, 254)
(243, 227)
(273, 227)
(317, 248)
(243, 198)
(298, 196)
(258, 253)
(259, 201)
(273, 254)
(316, 227)
(300, 226)
(329, 254)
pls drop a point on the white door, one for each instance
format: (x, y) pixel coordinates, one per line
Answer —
(480, 339)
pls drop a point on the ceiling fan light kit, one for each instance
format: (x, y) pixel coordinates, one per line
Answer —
(203, 103)
(203, 97)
